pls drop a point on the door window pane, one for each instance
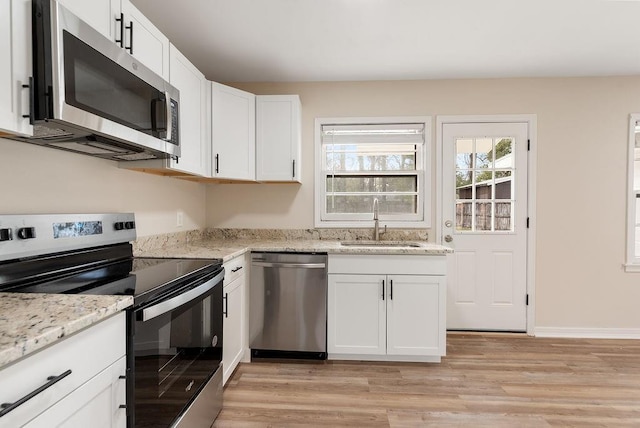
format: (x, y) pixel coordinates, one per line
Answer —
(483, 216)
(484, 185)
(463, 216)
(503, 216)
(484, 153)
(464, 187)
(464, 153)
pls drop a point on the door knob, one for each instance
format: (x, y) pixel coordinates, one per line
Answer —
(448, 238)
(448, 223)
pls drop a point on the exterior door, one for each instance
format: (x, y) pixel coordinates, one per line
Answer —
(484, 218)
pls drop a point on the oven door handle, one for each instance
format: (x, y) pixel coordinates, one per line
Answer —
(182, 298)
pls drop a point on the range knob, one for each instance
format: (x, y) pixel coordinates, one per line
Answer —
(5, 235)
(118, 225)
(27, 232)
(130, 225)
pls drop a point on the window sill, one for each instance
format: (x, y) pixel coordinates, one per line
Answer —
(632, 267)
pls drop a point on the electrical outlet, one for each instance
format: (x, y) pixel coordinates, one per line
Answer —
(180, 219)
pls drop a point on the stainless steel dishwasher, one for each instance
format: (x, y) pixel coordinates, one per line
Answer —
(288, 305)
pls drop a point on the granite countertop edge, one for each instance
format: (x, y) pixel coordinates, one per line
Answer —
(31, 322)
(229, 249)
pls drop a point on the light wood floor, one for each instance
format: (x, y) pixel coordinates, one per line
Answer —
(486, 380)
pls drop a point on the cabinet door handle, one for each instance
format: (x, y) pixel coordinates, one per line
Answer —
(293, 173)
(32, 102)
(130, 28)
(7, 407)
(226, 305)
(217, 163)
(383, 289)
(236, 269)
(391, 289)
(121, 21)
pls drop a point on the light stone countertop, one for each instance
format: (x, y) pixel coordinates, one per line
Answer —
(29, 322)
(228, 249)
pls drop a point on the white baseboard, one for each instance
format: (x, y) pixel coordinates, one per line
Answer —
(588, 333)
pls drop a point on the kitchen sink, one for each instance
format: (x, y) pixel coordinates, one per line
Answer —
(399, 244)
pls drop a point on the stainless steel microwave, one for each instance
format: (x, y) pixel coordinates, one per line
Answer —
(89, 95)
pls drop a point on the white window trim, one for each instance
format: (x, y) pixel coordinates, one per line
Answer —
(424, 180)
(632, 260)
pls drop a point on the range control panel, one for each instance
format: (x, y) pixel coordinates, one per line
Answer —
(36, 234)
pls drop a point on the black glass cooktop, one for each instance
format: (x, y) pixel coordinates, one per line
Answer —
(140, 277)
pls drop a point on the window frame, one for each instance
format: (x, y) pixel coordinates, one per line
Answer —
(423, 168)
(632, 259)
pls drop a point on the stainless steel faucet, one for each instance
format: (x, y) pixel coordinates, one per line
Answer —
(376, 223)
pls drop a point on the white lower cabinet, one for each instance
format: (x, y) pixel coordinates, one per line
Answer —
(394, 316)
(91, 390)
(95, 404)
(234, 323)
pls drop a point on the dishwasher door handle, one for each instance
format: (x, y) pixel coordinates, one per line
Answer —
(290, 265)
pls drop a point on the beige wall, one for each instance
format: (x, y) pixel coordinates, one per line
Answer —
(581, 207)
(38, 180)
(581, 178)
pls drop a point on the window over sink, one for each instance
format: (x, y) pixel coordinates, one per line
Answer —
(359, 160)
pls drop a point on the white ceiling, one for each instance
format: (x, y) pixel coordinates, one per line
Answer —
(332, 40)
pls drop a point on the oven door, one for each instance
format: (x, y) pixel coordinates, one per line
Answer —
(177, 348)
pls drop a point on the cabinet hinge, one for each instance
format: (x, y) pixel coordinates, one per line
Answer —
(527, 300)
(528, 145)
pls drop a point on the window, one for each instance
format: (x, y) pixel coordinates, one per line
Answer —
(633, 210)
(359, 160)
(484, 183)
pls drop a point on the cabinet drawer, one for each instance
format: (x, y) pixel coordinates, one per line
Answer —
(234, 269)
(381, 264)
(99, 399)
(85, 354)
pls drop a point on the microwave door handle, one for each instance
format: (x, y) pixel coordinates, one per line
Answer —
(154, 116)
(182, 298)
(169, 121)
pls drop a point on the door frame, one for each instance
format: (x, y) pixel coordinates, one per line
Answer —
(531, 121)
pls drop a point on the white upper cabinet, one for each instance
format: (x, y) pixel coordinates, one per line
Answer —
(99, 14)
(233, 133)
(144, 41)
(123, 23)
(194, 116)
(15, 67)
(278, 138)
(194, 127)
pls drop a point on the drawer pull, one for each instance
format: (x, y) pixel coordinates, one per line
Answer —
(7, 407)
(236, 269)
